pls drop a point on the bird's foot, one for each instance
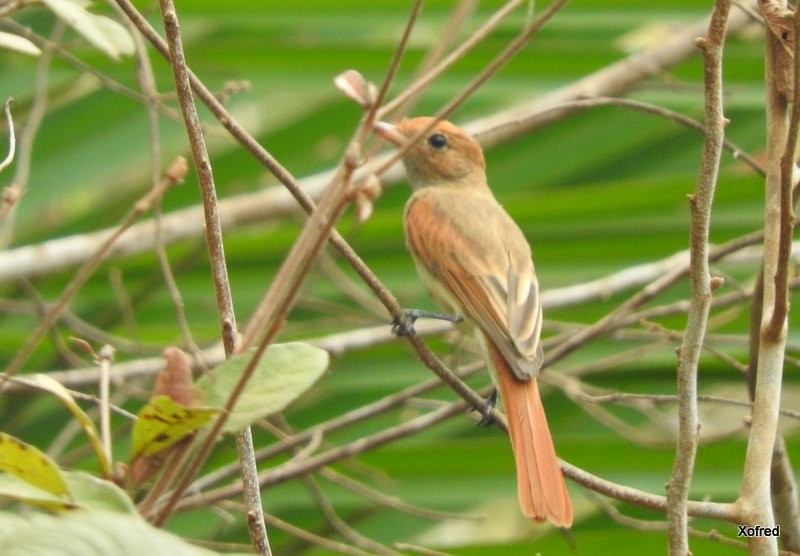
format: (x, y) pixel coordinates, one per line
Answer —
(404, 326)
(487, 418)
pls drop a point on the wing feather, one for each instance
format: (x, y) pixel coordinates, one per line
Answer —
(487, 270)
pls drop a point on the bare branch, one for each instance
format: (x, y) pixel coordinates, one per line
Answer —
(701, 283)
(213, 228)
(754, 502)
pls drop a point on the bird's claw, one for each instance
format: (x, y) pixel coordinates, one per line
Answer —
(487, 418)
(404, 326)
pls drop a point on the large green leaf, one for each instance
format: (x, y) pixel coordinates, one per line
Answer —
(87, 492)
(284, 372)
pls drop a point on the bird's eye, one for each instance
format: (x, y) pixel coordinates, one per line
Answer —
(437, 141)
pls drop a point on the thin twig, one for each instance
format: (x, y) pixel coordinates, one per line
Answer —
(594, 102)
(500, 60)
(52, 45)
(493, 67)
(711, 510)
(420, 84)
(326, 507)
(296, 468)
(12, 139)
(350, 418)
(106, 356)
(621, 397)
(666, 279)
(390, 501)
(643, 525)
(438, 50)
(29, 131)
(312, 538)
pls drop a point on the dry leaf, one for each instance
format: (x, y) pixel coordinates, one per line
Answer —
(175, 380)
(366, 192)
(353, 84)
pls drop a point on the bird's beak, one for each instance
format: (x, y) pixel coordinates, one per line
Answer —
(390, 133)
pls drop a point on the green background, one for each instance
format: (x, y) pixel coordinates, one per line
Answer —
(594, 193)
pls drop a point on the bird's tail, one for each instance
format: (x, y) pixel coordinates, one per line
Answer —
(540, 484)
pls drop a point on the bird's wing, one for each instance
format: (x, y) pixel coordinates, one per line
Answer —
(489, 275)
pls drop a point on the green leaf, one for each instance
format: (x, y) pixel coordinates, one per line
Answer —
(284, 372)
(94, 493)
(14, 489)
(31, 465)
(162, 423)
(87, 492)
(102, 32)
(89, 533)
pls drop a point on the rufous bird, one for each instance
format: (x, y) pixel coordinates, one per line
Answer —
(476, 263)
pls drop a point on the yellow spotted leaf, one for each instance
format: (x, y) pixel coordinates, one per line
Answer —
(162, 423)
(31, 465)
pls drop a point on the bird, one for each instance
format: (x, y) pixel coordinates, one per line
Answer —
(476, 263)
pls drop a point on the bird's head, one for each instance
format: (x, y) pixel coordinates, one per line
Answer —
(444, 154)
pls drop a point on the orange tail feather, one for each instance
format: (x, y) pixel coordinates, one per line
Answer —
(540, 484)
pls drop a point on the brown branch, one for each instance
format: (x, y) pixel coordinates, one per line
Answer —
(244, 442)
(780, 309)
(701, 283)
(710, 510)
